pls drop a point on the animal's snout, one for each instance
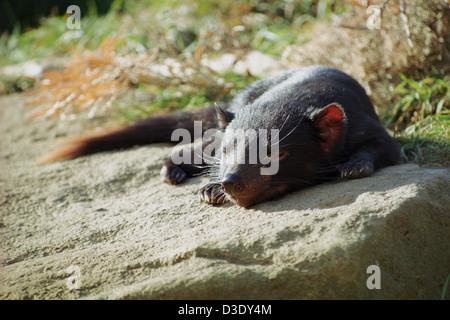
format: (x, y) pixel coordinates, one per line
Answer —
(232, 184)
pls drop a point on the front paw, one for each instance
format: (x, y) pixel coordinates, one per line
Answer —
(212, 193)
(172, 174)
(355, 169)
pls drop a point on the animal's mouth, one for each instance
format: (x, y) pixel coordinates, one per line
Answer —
(241, 192)
(250, 197)
(248, 188)
(242, 189)
(243, 201)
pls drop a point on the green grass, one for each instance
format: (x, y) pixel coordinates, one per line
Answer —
(420, 118)
(19, 84)
(419, 99)
(179, 98)
(427, 142)
(444, 290)
(53, 38)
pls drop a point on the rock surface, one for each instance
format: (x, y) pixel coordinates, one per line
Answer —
(105, 227)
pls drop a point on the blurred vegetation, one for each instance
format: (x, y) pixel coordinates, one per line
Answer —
(182, 33)
(52, 37)
(268, 26)
(178, 35)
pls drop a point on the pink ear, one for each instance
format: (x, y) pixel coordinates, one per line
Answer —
(330, 122)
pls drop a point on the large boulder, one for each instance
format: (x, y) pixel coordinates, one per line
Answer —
(376, 40)
(105, 227)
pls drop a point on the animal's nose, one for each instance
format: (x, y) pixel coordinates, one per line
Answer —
(232, 184)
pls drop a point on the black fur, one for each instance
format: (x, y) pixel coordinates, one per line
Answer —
(294, 102)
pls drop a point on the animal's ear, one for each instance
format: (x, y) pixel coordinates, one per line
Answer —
(223, 116)
(330, 124)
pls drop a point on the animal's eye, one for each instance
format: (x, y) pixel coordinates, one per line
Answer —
(282, 155)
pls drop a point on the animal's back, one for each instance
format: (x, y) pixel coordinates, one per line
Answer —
(305, 87)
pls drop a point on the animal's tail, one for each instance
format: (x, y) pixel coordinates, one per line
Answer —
(151, 130)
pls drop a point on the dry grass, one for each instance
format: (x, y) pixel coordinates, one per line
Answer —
(92, 81)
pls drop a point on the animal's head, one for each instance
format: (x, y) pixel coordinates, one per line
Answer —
(266, 153)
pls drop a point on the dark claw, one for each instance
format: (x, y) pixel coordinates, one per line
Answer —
(212, 193)
(172, 174)
(355, 169)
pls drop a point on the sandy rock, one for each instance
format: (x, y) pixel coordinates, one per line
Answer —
(105, 227)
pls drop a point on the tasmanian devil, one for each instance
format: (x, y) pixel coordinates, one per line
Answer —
(323, 124)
